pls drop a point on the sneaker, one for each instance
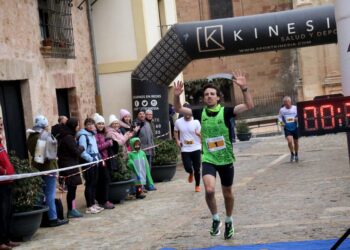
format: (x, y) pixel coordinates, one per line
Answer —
(58, 222)
(97, 207)
(108, 205)
(197, 189)
(92, 210)
(292, 158)
(5, 247)
(229, 230)
(151, 188)
(296, 158)
(140, 196)
(215, 228)
(190, 178)
(13, 244)
(74, 214)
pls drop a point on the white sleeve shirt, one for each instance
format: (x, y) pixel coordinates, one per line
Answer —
(188, 137)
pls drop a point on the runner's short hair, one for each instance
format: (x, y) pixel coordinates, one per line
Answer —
(212, 86)
(287, 98)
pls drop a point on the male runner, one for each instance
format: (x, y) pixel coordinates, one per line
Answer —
(187, 136)
(288, 118)
(217, 150)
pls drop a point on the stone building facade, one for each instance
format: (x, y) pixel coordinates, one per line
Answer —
(318, 66)
(40, 81)
(302, 73)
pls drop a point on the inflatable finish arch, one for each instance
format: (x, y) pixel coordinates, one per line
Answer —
(223, 37)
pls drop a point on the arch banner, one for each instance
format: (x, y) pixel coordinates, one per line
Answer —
(233, 36)
(224, 37)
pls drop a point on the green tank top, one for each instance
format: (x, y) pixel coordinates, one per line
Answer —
(216, 143)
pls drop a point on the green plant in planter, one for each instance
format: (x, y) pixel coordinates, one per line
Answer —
(26, 192)
(122, 174)
(242, 127)
(166, 152)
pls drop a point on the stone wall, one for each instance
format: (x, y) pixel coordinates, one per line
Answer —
(21, 59)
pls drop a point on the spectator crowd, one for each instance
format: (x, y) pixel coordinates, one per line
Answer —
(70, 143)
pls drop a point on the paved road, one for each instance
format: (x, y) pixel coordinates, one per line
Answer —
(275, 201)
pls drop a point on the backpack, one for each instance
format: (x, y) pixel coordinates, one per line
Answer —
(46, 148)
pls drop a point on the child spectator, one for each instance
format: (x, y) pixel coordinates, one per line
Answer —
(138, 164)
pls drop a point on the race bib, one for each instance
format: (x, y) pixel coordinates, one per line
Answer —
(188, 142)
(290, 119)
(216, 143)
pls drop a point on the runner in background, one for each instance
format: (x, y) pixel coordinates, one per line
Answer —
(288, 118)
(187, 136)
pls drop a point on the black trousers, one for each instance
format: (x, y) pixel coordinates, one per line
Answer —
(192, 163)
(104, 179)
(5, 212)
(91, 178)
(72, 190)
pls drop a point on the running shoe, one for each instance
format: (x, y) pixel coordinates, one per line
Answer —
(296, 158)
(215, 228)
(92, 210)
(151, 188)
(97, 207)
(74, 214)
(229, 230)
(197, 189)
(108, 205)
(190, 178)
(291, 158)
(140, 196)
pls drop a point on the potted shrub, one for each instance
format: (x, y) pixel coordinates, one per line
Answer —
(26, 197)
(164, 160)
(121, 180)
(243, 131)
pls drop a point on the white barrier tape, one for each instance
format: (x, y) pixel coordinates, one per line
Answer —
(159, 136)
(154, 146)
(22, 176)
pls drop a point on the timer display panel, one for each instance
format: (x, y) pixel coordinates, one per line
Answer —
(324, 115)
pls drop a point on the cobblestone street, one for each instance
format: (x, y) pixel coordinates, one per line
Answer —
(274, 201)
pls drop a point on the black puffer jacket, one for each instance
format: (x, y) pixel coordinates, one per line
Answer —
(68, 155)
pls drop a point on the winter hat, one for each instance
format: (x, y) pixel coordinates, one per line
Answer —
(113, 118)
(41, 121)
(94, 116)
(123, 113)
(98, 118)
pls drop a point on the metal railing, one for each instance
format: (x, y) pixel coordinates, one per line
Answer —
(267, 104)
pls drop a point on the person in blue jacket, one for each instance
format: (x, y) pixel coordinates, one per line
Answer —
(86, 139)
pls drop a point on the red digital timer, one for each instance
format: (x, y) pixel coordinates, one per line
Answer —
(323, 115)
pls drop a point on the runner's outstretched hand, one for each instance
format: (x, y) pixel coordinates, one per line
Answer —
(178, 88)
(240, 79)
